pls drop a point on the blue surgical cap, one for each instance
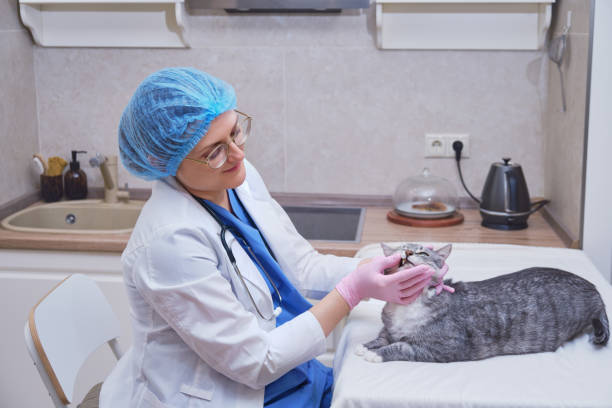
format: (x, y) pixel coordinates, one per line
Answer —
(167, 116)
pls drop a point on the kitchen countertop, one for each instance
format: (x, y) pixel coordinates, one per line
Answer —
(376, 228)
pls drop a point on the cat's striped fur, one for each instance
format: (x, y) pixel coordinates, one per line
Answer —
(529, 311)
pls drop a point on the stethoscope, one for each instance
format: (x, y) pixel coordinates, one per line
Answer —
(230, 254)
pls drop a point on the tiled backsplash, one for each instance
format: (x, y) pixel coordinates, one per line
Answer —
(18, 117)
(332, 113)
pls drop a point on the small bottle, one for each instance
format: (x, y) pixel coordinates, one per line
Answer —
(75, 179)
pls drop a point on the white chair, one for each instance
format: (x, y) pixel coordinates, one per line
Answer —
(64, 328)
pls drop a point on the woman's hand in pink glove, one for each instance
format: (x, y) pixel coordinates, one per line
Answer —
(369, 280)
(440, 286)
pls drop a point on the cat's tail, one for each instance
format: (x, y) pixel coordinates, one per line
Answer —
(601, 328)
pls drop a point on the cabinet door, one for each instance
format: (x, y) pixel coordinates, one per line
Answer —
(597, 234)
(27, 276)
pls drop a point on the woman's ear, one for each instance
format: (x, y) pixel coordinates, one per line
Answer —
(445, 251)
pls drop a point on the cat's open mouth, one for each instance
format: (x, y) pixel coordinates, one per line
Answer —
(404, 263)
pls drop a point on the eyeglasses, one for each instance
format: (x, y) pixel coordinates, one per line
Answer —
(218, 156)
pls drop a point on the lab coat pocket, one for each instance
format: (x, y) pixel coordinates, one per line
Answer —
(205, 393)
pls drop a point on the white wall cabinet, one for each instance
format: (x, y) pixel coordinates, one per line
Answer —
(106, 23)
(462, 24)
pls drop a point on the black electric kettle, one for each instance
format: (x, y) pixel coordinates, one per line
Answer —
(505, 202)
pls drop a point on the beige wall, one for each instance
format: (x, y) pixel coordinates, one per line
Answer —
(18, 116)
(564, 136)
(333, 114)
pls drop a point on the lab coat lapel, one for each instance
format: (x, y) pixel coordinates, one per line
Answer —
(248, 269)
(264, 216)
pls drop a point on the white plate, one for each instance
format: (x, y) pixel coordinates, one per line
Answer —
(407, 209)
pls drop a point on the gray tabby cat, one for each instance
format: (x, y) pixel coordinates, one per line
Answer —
(529, 311)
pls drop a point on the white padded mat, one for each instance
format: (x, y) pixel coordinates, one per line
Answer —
(577, 375)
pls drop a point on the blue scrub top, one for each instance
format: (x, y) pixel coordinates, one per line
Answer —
(309, 384)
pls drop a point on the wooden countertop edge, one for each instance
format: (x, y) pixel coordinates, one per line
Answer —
(61, 242)
(117, 243)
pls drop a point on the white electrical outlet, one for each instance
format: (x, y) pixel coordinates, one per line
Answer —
(463, 138)
(435, 145)
(441, 144)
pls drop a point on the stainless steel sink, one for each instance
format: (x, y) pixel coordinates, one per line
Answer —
(76, 217)
(341, 224)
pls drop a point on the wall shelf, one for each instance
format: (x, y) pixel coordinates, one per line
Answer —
(462, 24)
(106, 23)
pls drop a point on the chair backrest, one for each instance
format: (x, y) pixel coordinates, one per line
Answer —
(64, 328)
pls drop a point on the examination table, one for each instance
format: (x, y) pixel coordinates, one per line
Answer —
(578, 374)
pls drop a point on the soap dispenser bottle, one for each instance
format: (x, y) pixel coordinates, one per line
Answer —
(75, 179)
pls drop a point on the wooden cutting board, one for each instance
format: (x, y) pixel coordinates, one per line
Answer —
(454, 219)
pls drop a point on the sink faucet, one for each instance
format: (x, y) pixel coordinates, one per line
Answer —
(108, 168)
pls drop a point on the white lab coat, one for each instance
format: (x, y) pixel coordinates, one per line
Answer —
(198, 341)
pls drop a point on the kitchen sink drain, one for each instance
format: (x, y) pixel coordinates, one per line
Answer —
(70, 219)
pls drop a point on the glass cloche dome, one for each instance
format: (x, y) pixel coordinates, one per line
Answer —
(425, 196)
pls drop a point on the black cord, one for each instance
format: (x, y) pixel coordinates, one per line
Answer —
(457, 147)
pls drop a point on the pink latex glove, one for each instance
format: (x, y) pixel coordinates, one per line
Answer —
(440, 286)
(369, 280)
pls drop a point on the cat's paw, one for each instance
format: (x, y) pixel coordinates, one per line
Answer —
(360, 350)
(372, 357)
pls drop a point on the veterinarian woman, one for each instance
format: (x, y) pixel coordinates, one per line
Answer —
(216, 272)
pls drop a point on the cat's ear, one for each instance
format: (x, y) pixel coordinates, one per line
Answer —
(387, 250)
(445, 251)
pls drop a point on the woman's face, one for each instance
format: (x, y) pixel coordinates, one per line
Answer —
(204, 181)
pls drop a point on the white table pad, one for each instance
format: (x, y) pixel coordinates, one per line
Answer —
(577, 375)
